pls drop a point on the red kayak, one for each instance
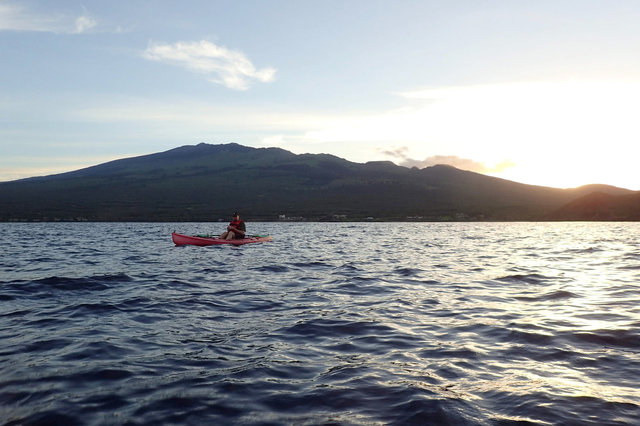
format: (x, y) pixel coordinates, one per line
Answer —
(196, 240)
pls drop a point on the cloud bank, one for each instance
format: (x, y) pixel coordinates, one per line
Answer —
(223, 66)
(450, 160)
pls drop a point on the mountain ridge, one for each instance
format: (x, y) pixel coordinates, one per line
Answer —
(205, 182)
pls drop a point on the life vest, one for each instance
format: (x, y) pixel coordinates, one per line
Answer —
(236, 223)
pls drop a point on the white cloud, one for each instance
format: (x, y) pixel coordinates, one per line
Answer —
(401, 154)
(84, 23)
(221, 65)
(15, 17)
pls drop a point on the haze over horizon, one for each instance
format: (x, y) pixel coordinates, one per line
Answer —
(542, 93)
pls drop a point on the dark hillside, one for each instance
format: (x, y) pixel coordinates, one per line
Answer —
(600, 206)
(206, 182)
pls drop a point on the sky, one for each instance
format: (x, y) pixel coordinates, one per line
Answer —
(539, 92)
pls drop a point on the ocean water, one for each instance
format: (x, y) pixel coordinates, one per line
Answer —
(330, 323)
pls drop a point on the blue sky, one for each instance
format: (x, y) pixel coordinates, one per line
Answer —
(541, 92)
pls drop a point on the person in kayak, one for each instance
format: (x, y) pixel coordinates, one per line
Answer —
(235, 230)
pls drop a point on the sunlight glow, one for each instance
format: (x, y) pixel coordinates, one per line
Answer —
(556, 133)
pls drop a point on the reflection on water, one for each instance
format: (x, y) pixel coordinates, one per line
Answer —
(456, 323)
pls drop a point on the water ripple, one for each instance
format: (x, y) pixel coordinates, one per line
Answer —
(463, 324)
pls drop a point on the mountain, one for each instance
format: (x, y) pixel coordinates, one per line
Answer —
(600, 206)
(207, 182)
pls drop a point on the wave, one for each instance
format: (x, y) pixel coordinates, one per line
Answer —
(623, 338)
(407, 272)
(312, 264)
(56, 283)
(525, 278)
(555, 295)
(271, 268)
(586, 250)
